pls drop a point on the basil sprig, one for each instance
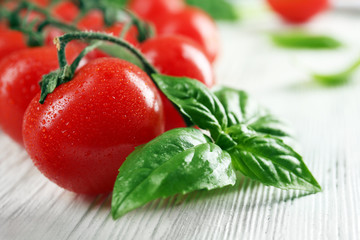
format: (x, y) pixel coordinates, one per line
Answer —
(179, 161)
(244, 137)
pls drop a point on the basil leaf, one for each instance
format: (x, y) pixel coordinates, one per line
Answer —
(338, 78)
(269, 160)
(240, 108)
(303, 40)
(197, 103)
(269, 124)
(218, 9)
(179, 161)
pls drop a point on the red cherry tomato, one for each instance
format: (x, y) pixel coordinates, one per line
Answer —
(177, 56)
(66, 11)
(93, 20)
(20, 74)
(195, 24)
(150, 10)
(86, 128)
(42, 3)
(298, 11)
(11, 41)
(131, 35)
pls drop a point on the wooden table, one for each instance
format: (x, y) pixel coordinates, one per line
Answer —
(327, 122)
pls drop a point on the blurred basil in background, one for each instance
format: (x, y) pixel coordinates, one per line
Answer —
(218, 9)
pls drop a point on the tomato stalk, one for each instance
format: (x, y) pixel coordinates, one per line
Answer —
(145, 30)
(66, 72)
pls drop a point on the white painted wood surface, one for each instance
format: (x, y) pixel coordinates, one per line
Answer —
(327, 122)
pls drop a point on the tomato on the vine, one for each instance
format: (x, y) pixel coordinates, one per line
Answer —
(86, 128)
(11, 41)
(66, 11)
(150, 10)
(20, 74)
(195, 24)
(298, 11)
(93, 20)
(130, 36)
(177, 56)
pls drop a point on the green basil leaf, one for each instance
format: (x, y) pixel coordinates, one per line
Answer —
(269, 124)
(197, 103)
(303, 40)
(240, 108)
(218, 9)
(179, 161)
(269, 160)
(338, 78)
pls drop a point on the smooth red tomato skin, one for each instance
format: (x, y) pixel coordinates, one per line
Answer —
(11, 41)
(298, 11)
(93, 20)
(195, 24)
(20, 74)
(66, 11)
(85, 129)
(131, 35)
(150, 10)
(177, 56)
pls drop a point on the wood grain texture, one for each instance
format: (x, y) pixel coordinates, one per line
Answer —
(327, 124)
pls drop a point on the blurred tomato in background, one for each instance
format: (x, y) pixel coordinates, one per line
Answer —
(298, 11)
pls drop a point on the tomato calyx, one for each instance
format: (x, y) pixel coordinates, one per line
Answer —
(66, 72)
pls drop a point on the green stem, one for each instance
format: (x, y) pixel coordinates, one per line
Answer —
(57, 24)
(28, 5)
(145, 30)
(66, 72)
(63, 40)
(125, 30)
(4, 14)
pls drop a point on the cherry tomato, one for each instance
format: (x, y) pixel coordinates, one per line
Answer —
(66, 11)
(20, 74)
(93, 20)
(177, 56)
(298, 11)
(150, 10)
(11, 41)
(131, 35)
(86, 128)
(195, 24)
(42, 3)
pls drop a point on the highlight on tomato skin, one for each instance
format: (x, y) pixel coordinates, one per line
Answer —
(150, 10)
(179, 56)
(86, 128)
(298, 11)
